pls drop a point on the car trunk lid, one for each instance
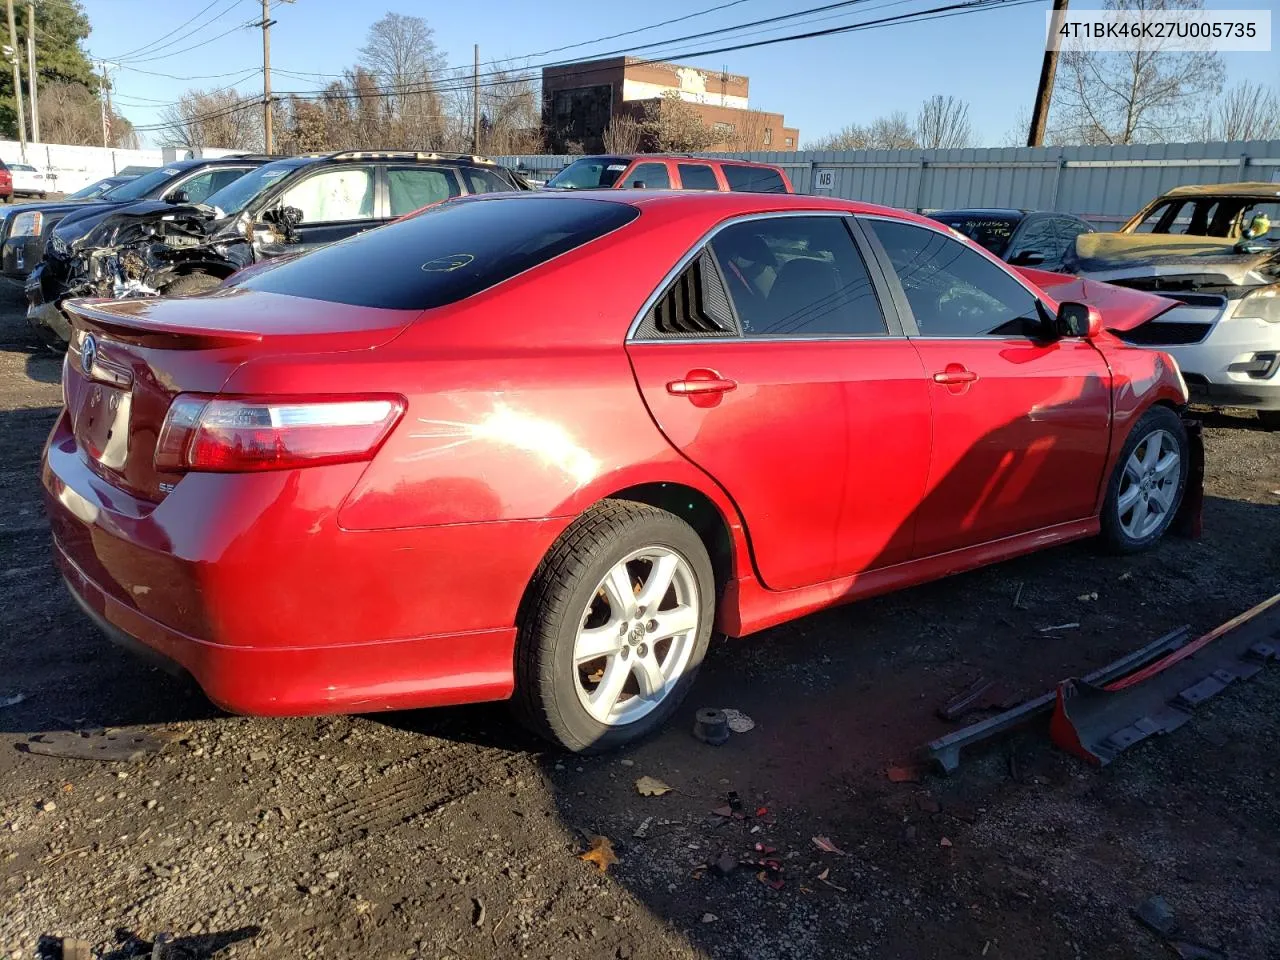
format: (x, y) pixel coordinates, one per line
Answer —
(128, 359)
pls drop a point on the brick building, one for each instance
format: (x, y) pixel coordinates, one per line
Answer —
(579, 100)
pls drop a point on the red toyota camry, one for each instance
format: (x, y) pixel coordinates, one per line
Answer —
(536, 446)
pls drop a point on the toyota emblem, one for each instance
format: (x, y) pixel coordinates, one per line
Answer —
(88, 354)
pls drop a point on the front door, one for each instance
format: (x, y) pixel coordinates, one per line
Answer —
(794, 393)
(335, 202)
(1021, 423)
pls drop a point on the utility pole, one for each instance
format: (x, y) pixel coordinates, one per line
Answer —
(1044, 93)
(17, 79)
(31, 72)
(475, 104)
(105, 103)
(266, 75)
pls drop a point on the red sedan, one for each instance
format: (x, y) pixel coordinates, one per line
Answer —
(536, 446)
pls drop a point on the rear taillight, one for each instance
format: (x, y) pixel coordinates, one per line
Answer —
(238, 434)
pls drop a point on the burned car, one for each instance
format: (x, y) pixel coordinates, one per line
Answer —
(1212, 248)
(285, 207)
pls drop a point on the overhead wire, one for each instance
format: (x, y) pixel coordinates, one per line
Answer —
(153, 45)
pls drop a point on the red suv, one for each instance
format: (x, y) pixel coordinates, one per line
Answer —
(670, 172)
(6, 183)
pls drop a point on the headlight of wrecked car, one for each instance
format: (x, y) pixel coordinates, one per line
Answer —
(27, 224)
(58, 245)
(1263, 303)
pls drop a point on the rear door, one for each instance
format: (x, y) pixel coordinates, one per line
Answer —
(770, 362)
(697, 176)
(1021, 423)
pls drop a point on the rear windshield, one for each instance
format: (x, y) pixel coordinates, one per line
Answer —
(744, 179)
(444, 254)
(990, 231)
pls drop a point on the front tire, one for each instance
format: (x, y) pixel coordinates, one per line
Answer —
(1146, 487)
(613, 628)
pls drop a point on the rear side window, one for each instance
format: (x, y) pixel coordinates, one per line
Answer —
(744, 179)
(697, 176)
(446, 253)
(412, 188)
(485, 181)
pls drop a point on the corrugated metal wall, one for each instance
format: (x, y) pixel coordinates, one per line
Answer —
(1103, 184)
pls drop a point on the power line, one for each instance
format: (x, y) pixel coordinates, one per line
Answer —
(932, 13)
(152, 46)
(194, 46)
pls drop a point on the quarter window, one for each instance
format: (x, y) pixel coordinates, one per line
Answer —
(798, 277)
(654, 176)
(746, 179)
(953, 290)
(697, 176)
(334, 195)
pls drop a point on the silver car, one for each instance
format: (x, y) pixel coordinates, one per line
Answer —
(1212, 248)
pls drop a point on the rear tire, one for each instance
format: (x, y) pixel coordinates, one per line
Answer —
(191, 285)
(1270, 419)
(635, 584)
(1146, 487)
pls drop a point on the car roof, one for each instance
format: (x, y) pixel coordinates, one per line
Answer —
(713, 204)
(1248, 188)
(409, 156)
(676, 156)
(982, 212)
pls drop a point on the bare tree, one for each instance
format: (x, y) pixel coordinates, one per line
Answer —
(672, 126)
(622, 135)
(891, 132)
(749, 134)
(1016, 135)
(510, 113)
(1247, 111)
(942, 123)
(853, 137)
(70, 113)
(401, 56)
(1146, 95)
(216, 118)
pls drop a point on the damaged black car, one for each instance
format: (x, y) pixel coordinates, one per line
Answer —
(286, 207)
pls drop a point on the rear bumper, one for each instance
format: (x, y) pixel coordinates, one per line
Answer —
(249, 583)
(304, 681)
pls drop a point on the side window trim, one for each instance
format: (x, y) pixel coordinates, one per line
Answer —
(900, 295)
(896, 320)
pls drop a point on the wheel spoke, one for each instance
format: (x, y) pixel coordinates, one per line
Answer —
(649, 675)
(673, 622)
(1151, 451)
(597, 642)
(1168, 464)
(605, 696)
(657, 584)
(1127, 499)
(622, 596)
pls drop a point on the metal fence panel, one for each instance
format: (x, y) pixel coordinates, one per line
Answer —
(1103, 184)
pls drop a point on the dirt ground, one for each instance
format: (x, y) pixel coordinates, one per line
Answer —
(450, 834)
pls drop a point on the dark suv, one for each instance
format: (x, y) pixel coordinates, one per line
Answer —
(285, 207)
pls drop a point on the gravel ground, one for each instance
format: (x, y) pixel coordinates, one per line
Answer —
(448, 833)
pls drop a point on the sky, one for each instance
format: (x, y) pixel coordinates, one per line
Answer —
(990, 59)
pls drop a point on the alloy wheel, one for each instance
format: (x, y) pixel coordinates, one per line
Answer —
(1149, 485)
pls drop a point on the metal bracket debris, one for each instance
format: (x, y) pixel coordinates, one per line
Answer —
(945, 751)
(1096, 722)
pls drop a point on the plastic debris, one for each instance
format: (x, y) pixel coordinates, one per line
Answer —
(944, 842)
(651, 787)
(12, 701)
(738, 721)
(600, 853)
(1092, 595)
(1059, 626)
(826, 846)
(905, 772)
(709, 918)
(642, 831)
(822, 878)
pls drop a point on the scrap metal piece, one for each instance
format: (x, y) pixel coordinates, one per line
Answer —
(1189, 520)
(711, 726)
(1096, 722)
(101, 745)
(945, 751)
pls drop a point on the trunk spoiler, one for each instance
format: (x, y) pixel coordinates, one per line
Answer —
(126, 321)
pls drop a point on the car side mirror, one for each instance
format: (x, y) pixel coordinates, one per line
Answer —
(1028, 258)
(291, 215)
(178, 196)
(638, 184)
(1078, 320)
